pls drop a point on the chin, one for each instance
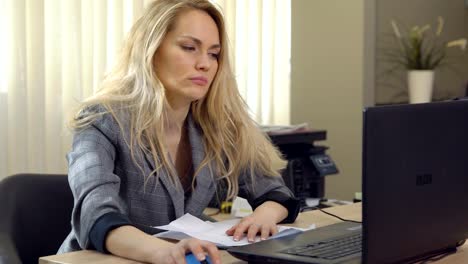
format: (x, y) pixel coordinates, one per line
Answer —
(197, 94)
(196, 98)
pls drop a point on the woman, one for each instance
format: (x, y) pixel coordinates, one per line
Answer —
(166, 133)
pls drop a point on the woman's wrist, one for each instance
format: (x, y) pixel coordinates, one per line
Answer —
(272, 209)
(154, 248)
(130, 242)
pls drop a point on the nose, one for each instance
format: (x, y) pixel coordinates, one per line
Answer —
(204, 62)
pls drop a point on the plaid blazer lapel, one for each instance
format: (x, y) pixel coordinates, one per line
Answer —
(176, 194)
(205, 183)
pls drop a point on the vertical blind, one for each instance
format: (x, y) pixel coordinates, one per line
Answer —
(55, 53)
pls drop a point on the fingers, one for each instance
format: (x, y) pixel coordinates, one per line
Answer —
(274, 230)
(264, 230)
(251, 229)
(241, 228)
(199, 248)
(177, 256)
(231, 230)
(213, 252)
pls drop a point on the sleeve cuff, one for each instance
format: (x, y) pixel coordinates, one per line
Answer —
(293, 205)
(103, 226)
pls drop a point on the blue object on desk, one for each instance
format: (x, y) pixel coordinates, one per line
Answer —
(191, 259)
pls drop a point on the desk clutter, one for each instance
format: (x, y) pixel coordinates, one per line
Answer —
(215, 232)
(240, 207)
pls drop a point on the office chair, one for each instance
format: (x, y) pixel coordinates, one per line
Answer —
(35, 216)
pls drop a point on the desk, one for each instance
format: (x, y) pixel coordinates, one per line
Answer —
(352, 212)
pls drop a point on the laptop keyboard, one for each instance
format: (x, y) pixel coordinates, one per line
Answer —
(329, 249)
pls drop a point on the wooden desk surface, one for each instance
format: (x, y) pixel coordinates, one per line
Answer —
(352, 212)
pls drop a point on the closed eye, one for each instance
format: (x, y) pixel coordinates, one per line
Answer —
(214, 55)
(188, 48)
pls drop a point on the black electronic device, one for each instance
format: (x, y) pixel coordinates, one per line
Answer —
(415, 193)
(308, 163)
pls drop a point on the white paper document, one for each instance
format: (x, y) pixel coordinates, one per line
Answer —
(215, 232)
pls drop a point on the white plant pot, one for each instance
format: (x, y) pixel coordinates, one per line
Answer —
(420, 83)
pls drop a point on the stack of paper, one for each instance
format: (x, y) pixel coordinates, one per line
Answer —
(215, 232)
(273, 130)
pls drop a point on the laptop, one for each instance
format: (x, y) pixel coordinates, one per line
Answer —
(415, 193)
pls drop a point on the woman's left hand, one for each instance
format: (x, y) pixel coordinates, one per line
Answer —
(252, 225)
(263, 220)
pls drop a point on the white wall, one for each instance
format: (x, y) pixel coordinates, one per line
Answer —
(327, 81)
(3, 134)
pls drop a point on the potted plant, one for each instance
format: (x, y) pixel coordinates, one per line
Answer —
(420, 51)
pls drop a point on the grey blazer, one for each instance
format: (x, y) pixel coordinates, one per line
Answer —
(104, 179)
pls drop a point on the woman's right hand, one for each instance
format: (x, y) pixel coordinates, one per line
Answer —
(131, 243)
(175, 254)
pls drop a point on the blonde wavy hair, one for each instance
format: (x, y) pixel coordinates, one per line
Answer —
(233, 142)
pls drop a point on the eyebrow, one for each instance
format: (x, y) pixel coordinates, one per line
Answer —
(199, 42)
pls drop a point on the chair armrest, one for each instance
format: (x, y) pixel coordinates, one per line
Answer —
(8, 252)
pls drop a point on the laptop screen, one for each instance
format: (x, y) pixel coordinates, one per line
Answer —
(415, 179)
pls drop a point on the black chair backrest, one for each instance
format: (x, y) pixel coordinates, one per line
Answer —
(36, 211)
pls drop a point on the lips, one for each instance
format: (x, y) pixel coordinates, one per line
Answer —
(199, 81)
